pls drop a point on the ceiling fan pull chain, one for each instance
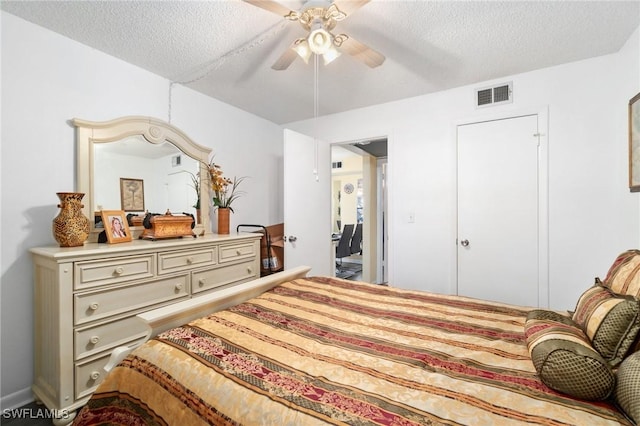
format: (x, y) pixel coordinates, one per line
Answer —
(316, 96)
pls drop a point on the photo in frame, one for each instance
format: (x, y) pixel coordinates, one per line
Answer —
(115, 226)
(132, 195)
(634, 143)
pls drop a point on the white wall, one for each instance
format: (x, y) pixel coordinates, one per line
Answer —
(592, 214)
(348, 202)
(350, 172)
(48, 79)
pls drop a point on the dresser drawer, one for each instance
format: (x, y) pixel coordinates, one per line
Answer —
(112, 271)
(90, 341)
(101, 304)
(89, 374)
(175, 261)
(233, 252)
(206, 280)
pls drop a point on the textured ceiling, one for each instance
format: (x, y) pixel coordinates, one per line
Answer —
(225, 48)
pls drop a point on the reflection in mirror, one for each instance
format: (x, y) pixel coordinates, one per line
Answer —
(166, 175)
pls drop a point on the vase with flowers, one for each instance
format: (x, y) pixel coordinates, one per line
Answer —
(225, 192)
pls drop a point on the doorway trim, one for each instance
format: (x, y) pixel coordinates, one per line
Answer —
(543, 192)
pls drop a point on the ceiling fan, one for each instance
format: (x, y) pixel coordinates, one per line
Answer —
(319, 17)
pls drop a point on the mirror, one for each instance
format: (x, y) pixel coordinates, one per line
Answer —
(139, 164)
(139, 176)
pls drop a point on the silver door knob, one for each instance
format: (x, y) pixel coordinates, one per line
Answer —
(464, 243)
(293, 239)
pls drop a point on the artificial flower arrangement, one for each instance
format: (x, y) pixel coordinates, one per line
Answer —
(225, 190)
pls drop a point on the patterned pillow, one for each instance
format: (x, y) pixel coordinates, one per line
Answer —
(627, 393)
(624, 275)
(564, 358)
(611, 322)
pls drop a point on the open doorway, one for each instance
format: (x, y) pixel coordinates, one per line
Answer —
(358, 209)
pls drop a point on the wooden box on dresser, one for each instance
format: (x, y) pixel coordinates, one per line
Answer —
(86, 300)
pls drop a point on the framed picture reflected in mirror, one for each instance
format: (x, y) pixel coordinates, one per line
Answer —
(132, 195)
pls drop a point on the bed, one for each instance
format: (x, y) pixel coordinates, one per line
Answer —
(319, 350)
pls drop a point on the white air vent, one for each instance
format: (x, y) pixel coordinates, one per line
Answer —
(495, 95)
(336, 165)
(176, 160)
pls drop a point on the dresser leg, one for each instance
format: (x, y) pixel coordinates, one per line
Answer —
(67, 419)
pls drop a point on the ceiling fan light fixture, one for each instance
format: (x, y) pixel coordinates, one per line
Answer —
(319, 19)
(301, 47)
(320, 41)
(330, 55)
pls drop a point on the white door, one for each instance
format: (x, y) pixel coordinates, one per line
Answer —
(307, 203)
(179, 195)
(498, 198)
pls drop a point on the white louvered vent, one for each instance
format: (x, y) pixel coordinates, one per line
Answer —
(336, 165)
(495, 95)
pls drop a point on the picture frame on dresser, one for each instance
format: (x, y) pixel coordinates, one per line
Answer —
(634, 144)
(116, 226)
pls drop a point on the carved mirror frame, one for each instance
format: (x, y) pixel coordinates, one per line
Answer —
(154, 131)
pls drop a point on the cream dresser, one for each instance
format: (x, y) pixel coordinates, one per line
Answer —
(86, 299)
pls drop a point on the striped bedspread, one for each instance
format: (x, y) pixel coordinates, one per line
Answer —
(319, 351)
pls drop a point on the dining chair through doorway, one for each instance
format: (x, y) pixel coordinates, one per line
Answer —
(344, 244)
(356, 240)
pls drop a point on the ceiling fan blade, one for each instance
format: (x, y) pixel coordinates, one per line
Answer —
(285, 60)
(361, 51)
(271, 6)
(350, 6)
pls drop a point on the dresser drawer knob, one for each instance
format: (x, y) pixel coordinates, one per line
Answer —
(95, 375)
(179, 286)
(94, 306)
(201, 282)
(119, 270)
(249, 269)
(189, 260)
(238, 252)
(94, 339)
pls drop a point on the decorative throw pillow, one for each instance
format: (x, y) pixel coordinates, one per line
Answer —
(544, 315)
(627, 393)
(564, 359)
(611, 322)
(624, 275)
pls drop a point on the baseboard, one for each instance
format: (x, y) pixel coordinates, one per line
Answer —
(16, 399)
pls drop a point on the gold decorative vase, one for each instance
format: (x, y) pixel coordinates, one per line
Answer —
(70, 227)
(223, 220)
